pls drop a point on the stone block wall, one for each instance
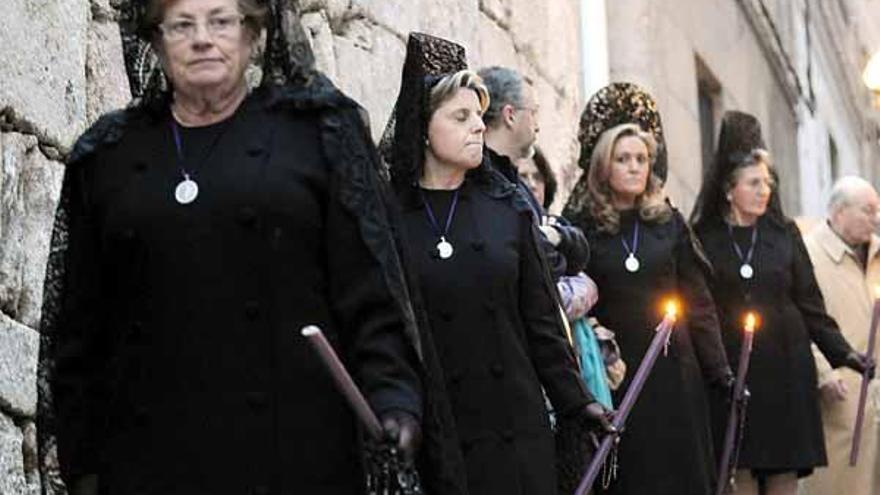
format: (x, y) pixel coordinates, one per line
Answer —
(361, 45)
(61, 67)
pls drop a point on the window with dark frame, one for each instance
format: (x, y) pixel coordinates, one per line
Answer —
(833, 158)
(708, 98)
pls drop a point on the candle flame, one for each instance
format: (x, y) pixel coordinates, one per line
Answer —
(751, 322)
(671, 308)
(877, 292)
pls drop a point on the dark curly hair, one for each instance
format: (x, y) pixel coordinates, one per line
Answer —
(550, 183)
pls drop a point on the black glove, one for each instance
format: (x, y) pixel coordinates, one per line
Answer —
(601, 416)
(402, 429)
(860, 363)
(724, 387)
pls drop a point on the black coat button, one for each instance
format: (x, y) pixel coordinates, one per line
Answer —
(333, 123)
(256, 400)
(497, 370)
(137, 333)
(141, 416)
(478, 245)
(252, 310)
(446, 316)
(140, 166)
(507, 435)
(247, 216)
(456, 376)
(254, 151)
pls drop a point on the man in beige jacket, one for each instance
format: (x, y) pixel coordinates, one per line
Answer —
(844, 251)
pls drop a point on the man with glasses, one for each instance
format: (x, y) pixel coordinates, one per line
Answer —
(511, 131)
(844, 251)
(512, 117)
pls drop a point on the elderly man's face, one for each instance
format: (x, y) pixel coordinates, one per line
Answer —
(205, 45)
(857, 220)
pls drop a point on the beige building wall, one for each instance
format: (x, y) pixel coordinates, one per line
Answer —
(795, 64)
(657, 44)
(361, 45)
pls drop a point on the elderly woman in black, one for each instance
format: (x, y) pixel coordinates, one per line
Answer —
(761, 264)
(197, 232)
(643, 253)
(485, 286)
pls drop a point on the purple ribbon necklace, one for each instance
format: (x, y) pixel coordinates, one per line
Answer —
(187, 190)
(444, 247)
(746, 271)
(631, 263)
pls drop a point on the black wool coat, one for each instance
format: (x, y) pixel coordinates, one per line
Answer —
(666, 446)
(783, 426)
(573, 251)
(175, 361)
(496, 326)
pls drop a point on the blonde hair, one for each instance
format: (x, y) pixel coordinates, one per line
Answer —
(651, 203)
(447, 86)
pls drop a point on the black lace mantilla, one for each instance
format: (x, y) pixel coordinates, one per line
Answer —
(402, 144)
(740, 134)
(615, 104)
(287, 59)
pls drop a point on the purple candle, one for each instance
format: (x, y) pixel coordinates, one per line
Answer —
(343, 381)
(863, 393)
(725, 474)
(661, 338)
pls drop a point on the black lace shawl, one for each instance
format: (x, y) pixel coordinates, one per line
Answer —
(356, 183)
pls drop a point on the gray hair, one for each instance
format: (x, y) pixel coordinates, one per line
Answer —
(505, 88)
(843, 191)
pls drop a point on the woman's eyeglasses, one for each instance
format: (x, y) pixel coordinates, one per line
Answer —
(226, 26)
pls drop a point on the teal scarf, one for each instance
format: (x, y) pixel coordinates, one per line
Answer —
(592, 364)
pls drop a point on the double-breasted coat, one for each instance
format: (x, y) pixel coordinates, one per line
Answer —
(497, 330)
(666, 446)
(175, 358)
(783, 428)
(849, 293)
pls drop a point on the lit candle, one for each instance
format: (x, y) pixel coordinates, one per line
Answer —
(343, 381)
(737, 406)
(661, 338)
(863, 393)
